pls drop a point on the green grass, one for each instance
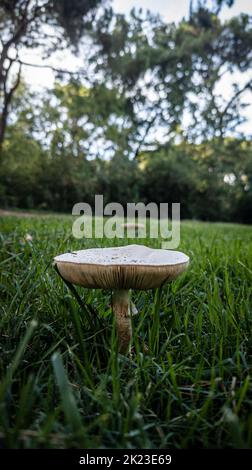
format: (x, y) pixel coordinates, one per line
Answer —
(64, 385)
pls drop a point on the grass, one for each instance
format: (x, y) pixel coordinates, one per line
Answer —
(64, 385)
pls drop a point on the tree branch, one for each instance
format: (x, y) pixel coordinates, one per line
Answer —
(149, 125)
(51, 67)
(247, 86)
(7, 100)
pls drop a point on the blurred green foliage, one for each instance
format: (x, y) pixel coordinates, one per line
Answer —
(145, 122)
(212, 181)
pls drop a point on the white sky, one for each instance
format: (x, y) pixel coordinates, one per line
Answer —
(170, 10)
(174, 10)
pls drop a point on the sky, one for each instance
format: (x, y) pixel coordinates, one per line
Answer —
(174, 10)
(170, 11)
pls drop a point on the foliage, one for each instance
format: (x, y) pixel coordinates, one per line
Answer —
(147, 122)
(212, 181)
(168, 71)
(49, 25)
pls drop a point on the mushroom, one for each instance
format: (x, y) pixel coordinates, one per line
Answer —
(121, 269)
(133, 227)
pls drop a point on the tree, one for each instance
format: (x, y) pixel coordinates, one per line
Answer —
(50, 24)
(218, 49)
(87, 121)
(140, 58)
(167, 72)
(214, 6)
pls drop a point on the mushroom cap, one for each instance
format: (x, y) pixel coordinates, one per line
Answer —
(132, 225)
(123, 267)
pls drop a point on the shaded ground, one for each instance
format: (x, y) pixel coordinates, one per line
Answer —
(4, 213)
(25, 214)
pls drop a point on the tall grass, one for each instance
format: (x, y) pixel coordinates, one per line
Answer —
(63, 384)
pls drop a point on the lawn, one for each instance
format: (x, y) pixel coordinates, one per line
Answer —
(63, 384)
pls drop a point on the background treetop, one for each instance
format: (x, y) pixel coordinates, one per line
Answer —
(48, 24)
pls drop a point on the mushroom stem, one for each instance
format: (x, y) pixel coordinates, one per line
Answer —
(121, 309)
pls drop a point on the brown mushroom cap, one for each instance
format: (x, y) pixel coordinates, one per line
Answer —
(124, 267)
